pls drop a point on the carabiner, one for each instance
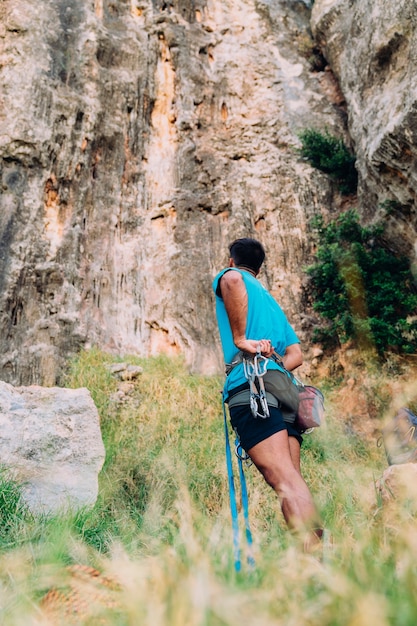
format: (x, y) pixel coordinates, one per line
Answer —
(248, 369)
(242, 454)
(260, 364)
(258, 403)
(264, 404)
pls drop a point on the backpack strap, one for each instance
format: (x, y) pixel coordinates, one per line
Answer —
(242, 398)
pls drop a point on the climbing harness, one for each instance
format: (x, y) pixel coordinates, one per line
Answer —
(241, 457)
(255, 369)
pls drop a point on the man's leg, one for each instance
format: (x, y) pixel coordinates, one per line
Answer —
(277, 458)
(295, 449)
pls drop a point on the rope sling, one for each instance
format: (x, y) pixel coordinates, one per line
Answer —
(254, 367)
(232, 497)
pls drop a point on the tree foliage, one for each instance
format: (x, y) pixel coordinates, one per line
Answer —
(330, 155)
(363, 290)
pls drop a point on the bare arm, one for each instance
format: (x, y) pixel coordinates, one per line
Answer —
(293, 356)
(235, 298)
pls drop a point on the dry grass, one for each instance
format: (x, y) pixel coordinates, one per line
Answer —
(157, 548)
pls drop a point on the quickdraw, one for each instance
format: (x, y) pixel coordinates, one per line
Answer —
(255, 368)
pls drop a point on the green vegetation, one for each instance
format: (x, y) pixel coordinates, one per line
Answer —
(311, 51)
(361, 288)
(14, 515)
(162, 524)
(330, 155)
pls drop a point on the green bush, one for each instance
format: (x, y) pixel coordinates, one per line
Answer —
(330, 155)
(362, 289)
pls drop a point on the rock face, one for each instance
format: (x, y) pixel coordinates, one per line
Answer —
(139, 137)
(372, 48)
(51, 441)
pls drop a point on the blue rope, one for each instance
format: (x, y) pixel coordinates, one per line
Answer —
(233, 505)
(245, 506)
(232, 497)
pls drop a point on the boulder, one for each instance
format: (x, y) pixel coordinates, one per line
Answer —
(50, 440)
(399, 483)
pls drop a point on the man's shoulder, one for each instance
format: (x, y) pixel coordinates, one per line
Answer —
(216, 281)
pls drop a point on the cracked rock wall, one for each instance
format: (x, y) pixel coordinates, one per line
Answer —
(372, 48)
(137, 139)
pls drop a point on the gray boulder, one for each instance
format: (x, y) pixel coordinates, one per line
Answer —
(399, 484)
(50, 440)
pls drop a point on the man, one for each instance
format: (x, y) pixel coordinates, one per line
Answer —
(251, 322)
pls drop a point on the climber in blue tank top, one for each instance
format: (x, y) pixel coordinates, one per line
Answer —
(265, 320)
(251, 321)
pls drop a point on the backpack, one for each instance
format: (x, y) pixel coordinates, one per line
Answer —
(400, 438)
(310, 409)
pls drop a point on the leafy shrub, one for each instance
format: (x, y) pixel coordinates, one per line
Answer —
(330, 155)
(362, 289)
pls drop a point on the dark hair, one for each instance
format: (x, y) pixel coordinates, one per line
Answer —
(248, 253)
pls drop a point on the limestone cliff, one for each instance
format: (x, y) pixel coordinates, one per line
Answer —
(372, 48)
(138, 137)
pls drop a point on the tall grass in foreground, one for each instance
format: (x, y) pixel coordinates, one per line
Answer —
(160, 533)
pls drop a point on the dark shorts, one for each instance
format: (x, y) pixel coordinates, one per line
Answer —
(251, 430)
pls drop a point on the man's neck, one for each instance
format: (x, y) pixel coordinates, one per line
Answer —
(247, 269)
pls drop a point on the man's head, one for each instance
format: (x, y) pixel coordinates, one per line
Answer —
(247, 253)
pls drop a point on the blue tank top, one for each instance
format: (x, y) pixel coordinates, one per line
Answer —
(265, 320)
